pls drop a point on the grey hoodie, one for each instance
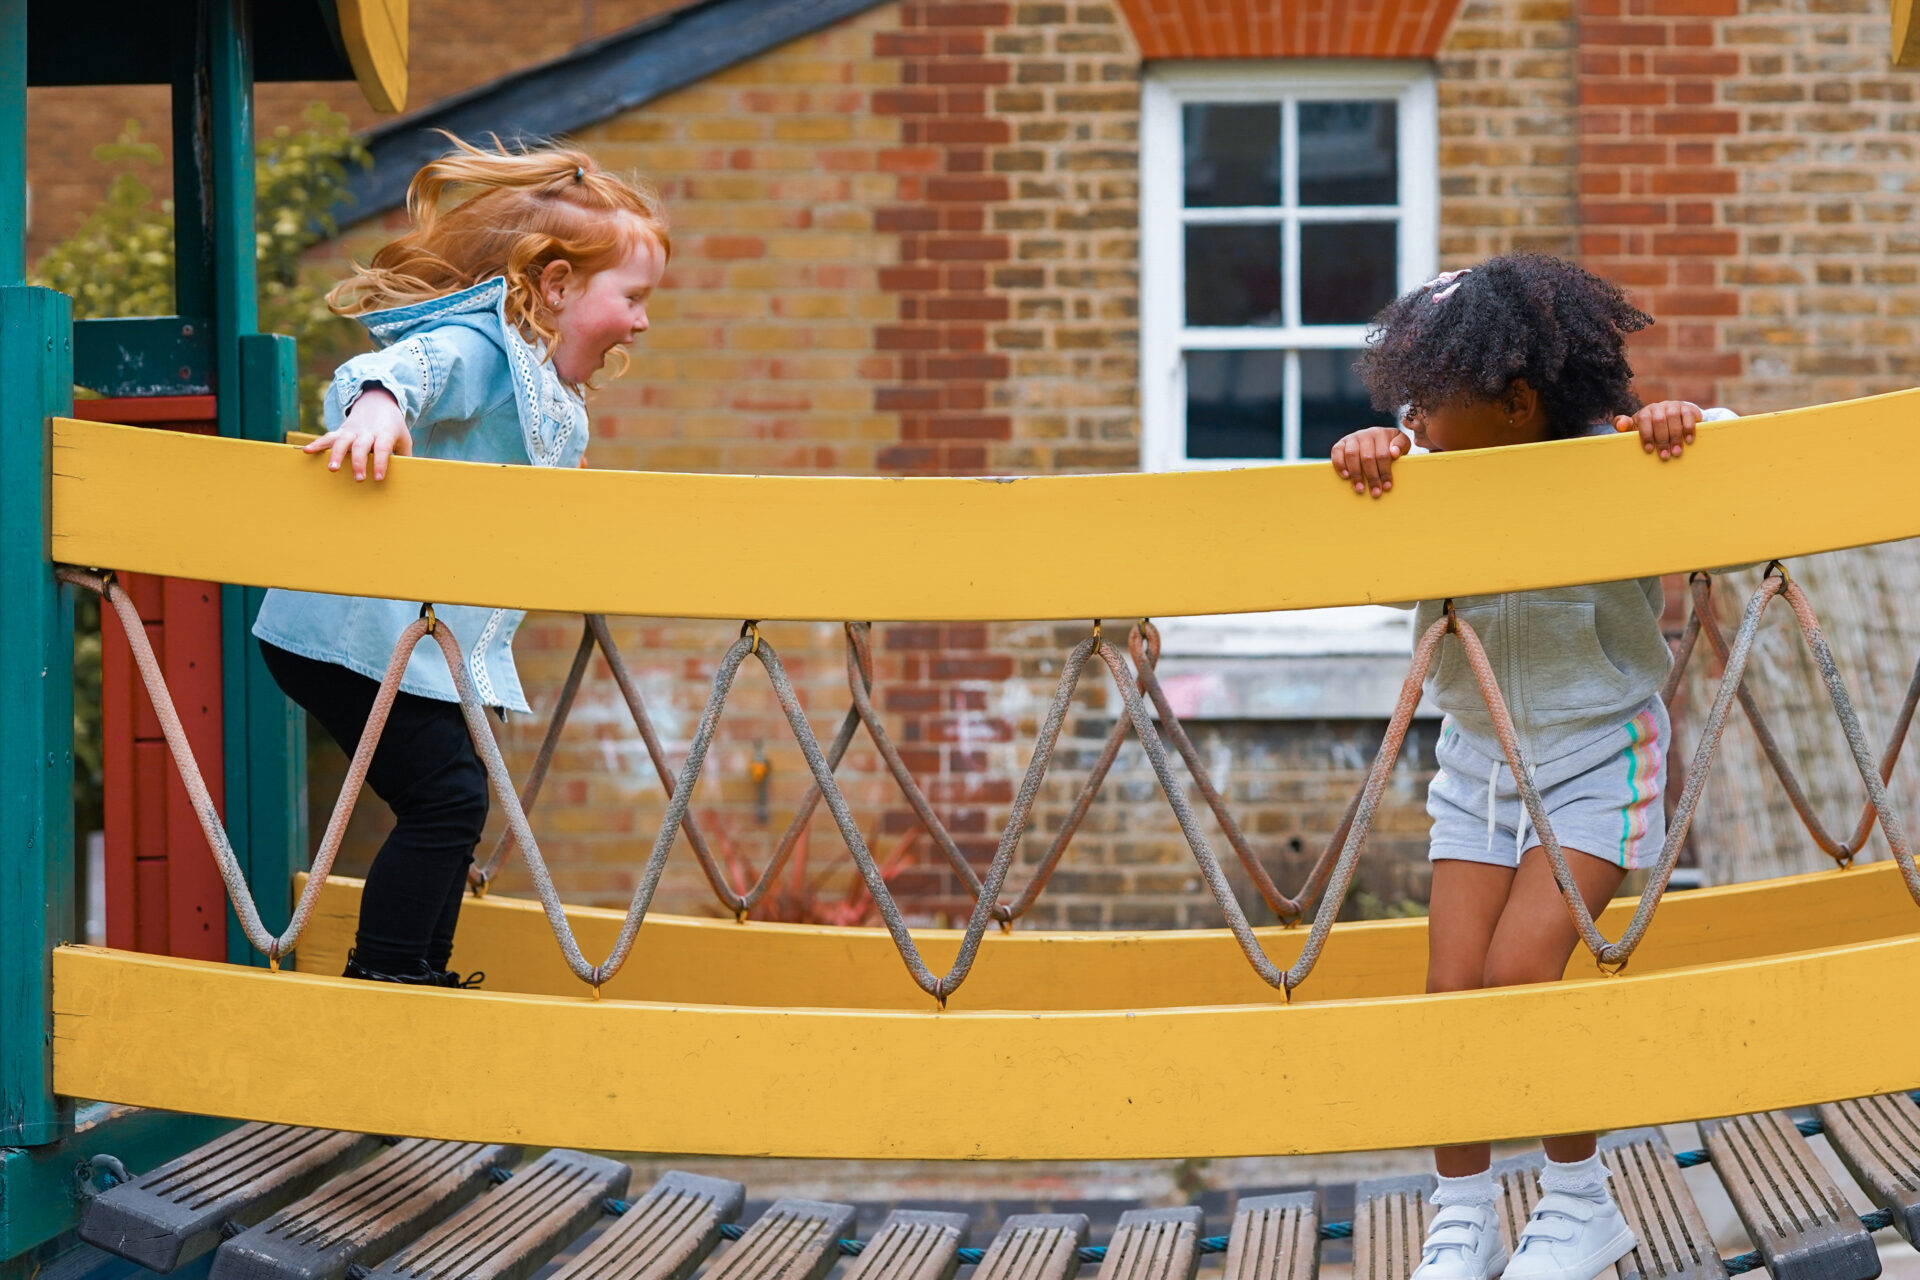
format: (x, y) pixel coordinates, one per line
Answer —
(1574, 663)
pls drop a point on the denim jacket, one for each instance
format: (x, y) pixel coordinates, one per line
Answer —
(472, 390)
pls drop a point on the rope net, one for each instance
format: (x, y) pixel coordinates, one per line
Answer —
(1132, 674)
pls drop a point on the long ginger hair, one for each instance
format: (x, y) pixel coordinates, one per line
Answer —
(478, 214)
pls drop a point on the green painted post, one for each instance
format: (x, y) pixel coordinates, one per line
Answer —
(266, 735)
(255, 385)
(36, 714)
(13, 148)
(192, 131)
(36, 647)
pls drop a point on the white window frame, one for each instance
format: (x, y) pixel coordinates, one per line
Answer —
(1164, 336)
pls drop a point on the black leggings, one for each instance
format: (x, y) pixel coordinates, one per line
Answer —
(427, 771)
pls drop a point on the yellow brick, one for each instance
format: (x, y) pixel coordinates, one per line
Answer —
(726, 186)
(766, 337)
(813, 129)
(727, 129)
(635, 126)
(811, 306)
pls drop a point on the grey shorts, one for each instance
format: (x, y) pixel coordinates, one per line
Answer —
(1611, 807)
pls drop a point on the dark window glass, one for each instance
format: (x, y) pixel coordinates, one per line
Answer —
(1233, 274)
(1234, 403)
(1333, 401)
(1347, 270)
(1349, 153)
(1232, 154)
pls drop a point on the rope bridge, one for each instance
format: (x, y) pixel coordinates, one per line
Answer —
(1137, 686)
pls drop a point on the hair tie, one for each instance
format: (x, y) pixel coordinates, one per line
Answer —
(579, 173)
(1451, 281)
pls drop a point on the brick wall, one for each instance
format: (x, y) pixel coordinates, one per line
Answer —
(905, 244)
(1508, 130)
(1747, 169)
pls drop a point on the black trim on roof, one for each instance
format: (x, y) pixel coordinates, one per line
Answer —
(590, 84)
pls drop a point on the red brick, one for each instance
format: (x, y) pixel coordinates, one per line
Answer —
(1696, 64)
(1696, 122)
(1703, 182)
(1626, 212)
(1676, 302)
(1594, 34)
(1625, 93)
(1706, 243)
(968, 248)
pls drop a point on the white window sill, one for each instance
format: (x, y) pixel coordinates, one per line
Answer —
(1320, 664)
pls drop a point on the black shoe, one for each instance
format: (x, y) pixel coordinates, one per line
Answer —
(418, 976)
(448, 978)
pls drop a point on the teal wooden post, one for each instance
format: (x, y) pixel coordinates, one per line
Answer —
(254, 382)
(266, 735)
(36, 647)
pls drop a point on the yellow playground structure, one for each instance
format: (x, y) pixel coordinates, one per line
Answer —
(625, 1031)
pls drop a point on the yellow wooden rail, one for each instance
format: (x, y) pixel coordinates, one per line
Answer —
(1257, 1079)
(685, 960)
(1114, 546)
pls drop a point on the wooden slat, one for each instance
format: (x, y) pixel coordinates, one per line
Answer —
(913, 1244)
(1670, 1234)
(1034, 1246)
(515, 1229)
(1518, 1182)
(361, 1217)
(1796, 1214)
(178, 1211)
(1878, 1139)
(1155, 1244)
(1390, 1220)
(631, 1076)
(1275, 1238)
(695, 960)
(664, 1235)
(833, 548)
(794, 1239)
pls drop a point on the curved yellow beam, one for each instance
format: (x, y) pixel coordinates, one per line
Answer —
(375, 33)
(1115, 546)
(687, 960)
(1347, 1075)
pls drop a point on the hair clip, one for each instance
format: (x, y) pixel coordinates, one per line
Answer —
(1451, 281)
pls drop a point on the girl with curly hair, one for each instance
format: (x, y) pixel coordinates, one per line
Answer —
(522, 273)
(1523, 349)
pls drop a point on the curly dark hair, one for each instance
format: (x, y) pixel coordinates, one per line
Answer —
(1521, 315)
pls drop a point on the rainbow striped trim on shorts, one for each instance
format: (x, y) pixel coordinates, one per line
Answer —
(1643, 791)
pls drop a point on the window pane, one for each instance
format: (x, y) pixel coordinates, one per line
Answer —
(1349, 153)
(1233, 274)
(1234, 403)
(1233, 153)
(1333, 401)
(1347, 270)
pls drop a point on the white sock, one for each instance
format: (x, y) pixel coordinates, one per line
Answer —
(1473, 1189)
(1584, 1178)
